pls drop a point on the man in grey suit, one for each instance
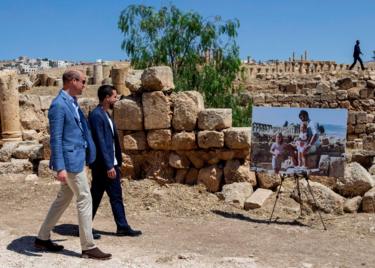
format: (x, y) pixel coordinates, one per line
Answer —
(71, 147)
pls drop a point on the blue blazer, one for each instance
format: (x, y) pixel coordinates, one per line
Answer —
(104, 140)
(71, 142)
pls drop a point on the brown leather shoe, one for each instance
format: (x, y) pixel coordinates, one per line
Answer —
(95, 253)
(47, 245)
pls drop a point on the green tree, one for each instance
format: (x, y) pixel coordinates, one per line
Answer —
(202, 53)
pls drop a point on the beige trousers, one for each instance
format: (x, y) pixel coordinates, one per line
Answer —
(77, 185)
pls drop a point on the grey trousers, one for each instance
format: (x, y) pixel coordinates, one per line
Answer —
(76, 185)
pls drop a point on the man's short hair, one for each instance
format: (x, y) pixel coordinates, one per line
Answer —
(303, 112)
(70, 75)
(104, 91)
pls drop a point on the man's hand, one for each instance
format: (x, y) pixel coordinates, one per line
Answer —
(111, 173)
(62, 175)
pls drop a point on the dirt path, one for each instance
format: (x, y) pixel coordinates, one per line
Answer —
(183, 227)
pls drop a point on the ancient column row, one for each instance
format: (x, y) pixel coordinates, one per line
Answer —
(9, 109)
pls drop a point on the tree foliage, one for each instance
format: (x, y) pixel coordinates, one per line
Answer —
(202, 52)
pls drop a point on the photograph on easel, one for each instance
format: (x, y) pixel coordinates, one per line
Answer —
(294, 140)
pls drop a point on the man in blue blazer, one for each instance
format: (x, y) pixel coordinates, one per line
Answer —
(71, 147)
(105, 169)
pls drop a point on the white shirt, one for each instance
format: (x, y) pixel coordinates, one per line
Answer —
(114, 149)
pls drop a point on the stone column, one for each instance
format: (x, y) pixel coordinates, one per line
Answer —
(118, 79)
(9, 109)
(98, 74)
(106, 70)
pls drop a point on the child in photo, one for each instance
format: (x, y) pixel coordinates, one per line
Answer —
(301, 145)
(277, 150)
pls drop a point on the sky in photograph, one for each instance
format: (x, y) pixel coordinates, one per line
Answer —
(277, 116)
(270, 29)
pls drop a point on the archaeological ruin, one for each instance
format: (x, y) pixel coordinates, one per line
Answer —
(171, 137)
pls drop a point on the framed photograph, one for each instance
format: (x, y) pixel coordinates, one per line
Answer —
(291, 140)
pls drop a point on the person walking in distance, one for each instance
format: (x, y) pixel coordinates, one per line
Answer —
(71, 146)
(105, 170)
(356, 55)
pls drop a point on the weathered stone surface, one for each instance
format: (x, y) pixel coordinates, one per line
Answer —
(324, 163)
(235, 172)
(267, 181)
(135, 141)
(370, 84)
(32, 119)
(191, 176)
(128, 114)
(87, 105)
(7, 150)
(195, 158)
(356, 181)
(16, 166)
(133, 80)
(210, 139)
(326, 199)
(44, 171)
(180, 175)
(352, 205)
(45, 102)
(336, 167)
(323, 87)
(368, 201)
(157, 78)
(156, 110)
(237, 137)
(30, 134)
(45, 141)
(28, 150)
(184, 141)
(186, 106)
(211, 177)
(178, 161)
(160, 139)
(215, 119)
(257, 199)
(345, 83)
(236, 193)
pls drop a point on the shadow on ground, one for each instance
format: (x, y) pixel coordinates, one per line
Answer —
(25, 245)
(73, 230)
(238, 216)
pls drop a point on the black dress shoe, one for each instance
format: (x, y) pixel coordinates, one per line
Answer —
(128, 232)
(96, 235)
(47, 245)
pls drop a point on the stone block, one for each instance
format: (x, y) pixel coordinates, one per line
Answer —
(257, 199)
(135, 141)
(28, 150)
(157, 78)
(156, 110)
(210, 177)
(336, 167)
(128, 114)
(368, 201)
(44, 171)
(215, 119)
(237, 137)
(210, 139)
(236, 193)
(7, 150)
(186, 107)
(159, 139)
(235, 172)
(133, 80)
(16, 166)
(184, 141)
(352, 205)
(178, 161)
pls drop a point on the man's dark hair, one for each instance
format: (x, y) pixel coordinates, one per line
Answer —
(303, 112)
(104, 91)
(70, 75)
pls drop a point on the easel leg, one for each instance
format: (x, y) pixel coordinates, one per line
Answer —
(277, 197)
(311, 192)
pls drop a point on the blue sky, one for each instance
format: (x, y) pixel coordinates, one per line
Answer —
(270, 29)
(276, 116)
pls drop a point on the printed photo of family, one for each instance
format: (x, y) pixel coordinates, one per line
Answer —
(291, 140)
